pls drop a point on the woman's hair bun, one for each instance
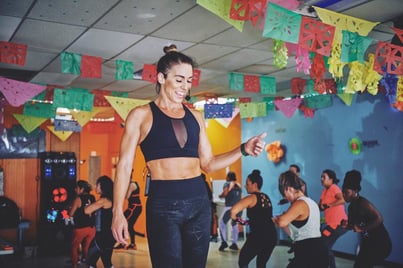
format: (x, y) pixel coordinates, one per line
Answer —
(256, 172)
(171, 48)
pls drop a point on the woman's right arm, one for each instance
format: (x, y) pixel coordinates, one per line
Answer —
(130, 140)
(297, 211)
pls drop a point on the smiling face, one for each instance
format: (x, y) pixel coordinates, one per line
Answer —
(177, 82)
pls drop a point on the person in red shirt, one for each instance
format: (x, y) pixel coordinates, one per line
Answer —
(332, 204)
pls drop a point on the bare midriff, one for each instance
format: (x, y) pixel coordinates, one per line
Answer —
(176, 168)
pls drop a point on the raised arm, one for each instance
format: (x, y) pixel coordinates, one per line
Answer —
(210, 163)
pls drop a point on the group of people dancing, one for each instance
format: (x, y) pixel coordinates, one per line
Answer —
(312, 240)
(92, 220)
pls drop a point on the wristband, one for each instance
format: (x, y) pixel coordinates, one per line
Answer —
(244, 153)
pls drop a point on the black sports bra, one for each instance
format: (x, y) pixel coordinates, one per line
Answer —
(171, 137)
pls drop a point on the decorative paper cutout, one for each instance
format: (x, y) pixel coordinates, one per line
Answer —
(124, 70)
(91, 66)
(71, 63)
(335, 64)
(399, 33)
(124, 105)
(318, 101)
(326, 86)
(344, 22)
(282, 24)
(38, 109)
(83, 117)
(66, 125)
(399, 91)
(62, 135)
(318, 68)
(221, 9)
(248, 10)
(99, 98)
(288, 4)
(13, 53)
(225, 122)
(274, 151)
(73, 98)
(316, 36)
(196, 77)
(347, 98)
(29, 123)
(389, 82)
(251, 83)
(17, 93)
(371, 77)
(244, 99)
(218, 110)
(267, 84)
(302, 60)
(288, 107)
(269, 104)
(308, 112)
(236, 81)
(355, 78)
(149, 73)
(388, 58)
(252, 109)
(297, 85)
(354, 46)
(280, 56)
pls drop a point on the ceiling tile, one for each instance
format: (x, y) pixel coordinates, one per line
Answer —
(102, 43)
(34, 61)
(203, 53)
(142, 17)
(16, 8)
(249, 36)
(195, 25)
(47, 35)
(239, 59)
(54, 78)
(8, 26)
(84, 13)
(149, 50)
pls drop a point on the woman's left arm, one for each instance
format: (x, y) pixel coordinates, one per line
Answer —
(95, 206)
(375, 216)
(246, 202)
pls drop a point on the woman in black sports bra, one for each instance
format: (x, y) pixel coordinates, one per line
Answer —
(176, 149)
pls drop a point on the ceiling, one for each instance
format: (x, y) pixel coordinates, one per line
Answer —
(138, 30)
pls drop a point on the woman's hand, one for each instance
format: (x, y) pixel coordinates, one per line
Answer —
(119, 228)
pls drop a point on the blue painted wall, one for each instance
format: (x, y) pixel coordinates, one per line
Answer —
(321, 142)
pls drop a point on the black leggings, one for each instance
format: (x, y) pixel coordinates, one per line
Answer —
(258, 247)
(132, 213)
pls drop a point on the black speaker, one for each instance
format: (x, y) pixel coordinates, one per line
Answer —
(57, 187)
(58, 179)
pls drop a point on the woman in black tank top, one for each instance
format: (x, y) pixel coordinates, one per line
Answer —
(263, 235)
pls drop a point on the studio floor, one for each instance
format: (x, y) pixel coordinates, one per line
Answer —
(140, 258)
